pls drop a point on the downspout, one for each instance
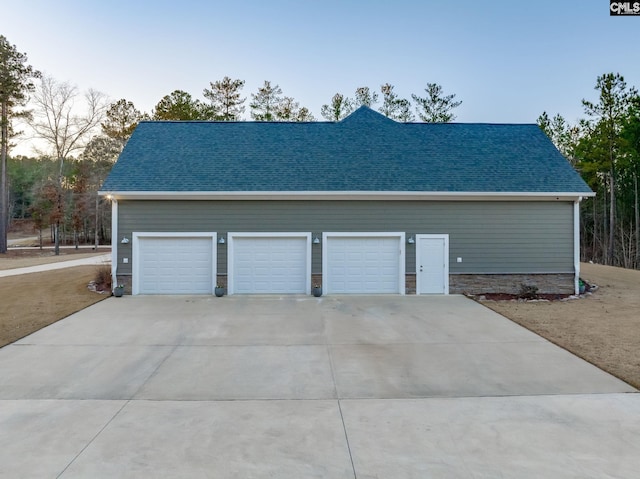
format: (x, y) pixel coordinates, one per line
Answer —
(114, 243)
(576, 244)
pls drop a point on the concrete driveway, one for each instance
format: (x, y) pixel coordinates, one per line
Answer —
(299, 387)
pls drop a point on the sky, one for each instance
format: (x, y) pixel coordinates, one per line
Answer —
(507, 61)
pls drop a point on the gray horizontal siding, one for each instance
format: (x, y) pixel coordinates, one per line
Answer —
(491, 237)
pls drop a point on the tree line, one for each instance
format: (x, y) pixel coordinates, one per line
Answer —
(82, 134)
(604, 147)
(224, 102)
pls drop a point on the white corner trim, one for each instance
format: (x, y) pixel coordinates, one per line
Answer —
(232, 236)
(576, 245)
(386, 234)
(135, 252)
(114, 243)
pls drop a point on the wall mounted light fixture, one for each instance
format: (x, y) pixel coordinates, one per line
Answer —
(411, 240)
(316, 240)
(125, 240)
(221, 240)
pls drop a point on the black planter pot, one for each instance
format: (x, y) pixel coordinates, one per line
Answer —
(118, 292)
(317, 292)
(219, 292)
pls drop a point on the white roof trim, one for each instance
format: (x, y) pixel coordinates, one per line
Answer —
(343, 195)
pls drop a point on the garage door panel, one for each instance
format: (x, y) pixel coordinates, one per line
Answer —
(362, 264)
(270, 264)
(175, 265)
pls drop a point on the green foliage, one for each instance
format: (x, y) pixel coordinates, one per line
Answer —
(630, 131)
(24, 174)
(564, 136)
(16, 77)
(179, 105)
(365, 97)
(404, 113)
(339, 108)
(266, 103)
(605, 148)
(15, 83)
(398, 109)
(289, 110)
(225, 99)
(435, 107)
(304, 114)
(122, 117)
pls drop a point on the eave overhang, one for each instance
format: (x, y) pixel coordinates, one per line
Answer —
(346, 195)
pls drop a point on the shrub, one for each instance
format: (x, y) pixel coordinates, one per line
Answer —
(528, 291)
(103, 277)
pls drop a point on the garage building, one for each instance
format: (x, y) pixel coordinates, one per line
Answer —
(361, 206)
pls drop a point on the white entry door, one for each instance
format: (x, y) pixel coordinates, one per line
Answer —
(432, 264)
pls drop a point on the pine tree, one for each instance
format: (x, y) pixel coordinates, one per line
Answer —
(225, 99)
(265, 104)
(435, 107)
(15, 83)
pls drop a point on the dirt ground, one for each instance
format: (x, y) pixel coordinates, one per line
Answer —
(33, 301)
(602, 328)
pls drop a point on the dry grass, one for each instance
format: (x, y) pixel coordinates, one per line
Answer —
(33, 301)
(603, 328)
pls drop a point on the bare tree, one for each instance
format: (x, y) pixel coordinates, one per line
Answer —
(64, 124)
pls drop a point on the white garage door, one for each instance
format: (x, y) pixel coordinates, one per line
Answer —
(363, 264)
(269, 264)
(174, 265)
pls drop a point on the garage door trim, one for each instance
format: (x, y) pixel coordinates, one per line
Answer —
(401, 256)
(135, 252)
(231, 253)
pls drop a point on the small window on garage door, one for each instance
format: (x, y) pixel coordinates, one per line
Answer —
(174, 263)
(269, 263)
(363, 263)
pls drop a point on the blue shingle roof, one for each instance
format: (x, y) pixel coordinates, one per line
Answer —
(364, 152)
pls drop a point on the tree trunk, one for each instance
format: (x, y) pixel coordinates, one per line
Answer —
(595, 228)
(4, 211)
(612, 219)
(56, 235)
(56, 239)
(97, 238)
(605, 234)
(637, 218)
